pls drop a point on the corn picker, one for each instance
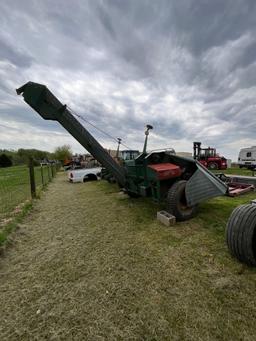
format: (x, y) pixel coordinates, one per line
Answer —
(182, 183)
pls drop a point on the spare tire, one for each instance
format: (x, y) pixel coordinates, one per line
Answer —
(177, 203)
(241, 234)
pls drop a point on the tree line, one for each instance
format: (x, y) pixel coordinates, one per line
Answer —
(9, 157)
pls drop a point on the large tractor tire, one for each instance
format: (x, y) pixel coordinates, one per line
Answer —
(241, 234)
(213, 166)
(177, 203)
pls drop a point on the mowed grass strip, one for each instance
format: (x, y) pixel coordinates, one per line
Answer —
(93, 264)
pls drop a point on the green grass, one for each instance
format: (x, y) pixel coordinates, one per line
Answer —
(99, 266)
(193, 289)
(235, 171)
(15, 196)
(14, 189)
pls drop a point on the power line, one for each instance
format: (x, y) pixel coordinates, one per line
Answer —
(94, 126)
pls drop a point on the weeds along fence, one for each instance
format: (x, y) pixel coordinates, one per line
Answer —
(19, 184)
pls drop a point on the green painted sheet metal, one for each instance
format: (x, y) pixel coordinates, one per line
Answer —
(203, 185)
(50, 108)
(135, 176)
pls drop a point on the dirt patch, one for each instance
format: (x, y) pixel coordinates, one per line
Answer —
(91, 264)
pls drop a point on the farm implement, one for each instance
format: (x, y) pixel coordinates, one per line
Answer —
(237, 185)
(180, 182)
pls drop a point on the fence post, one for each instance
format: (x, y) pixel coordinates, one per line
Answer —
(32, 178)
(42, 175)
(52, 170)
(49, 177)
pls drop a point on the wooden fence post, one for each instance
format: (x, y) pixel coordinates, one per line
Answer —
(32, 178)
(42, 175)
(49, 177)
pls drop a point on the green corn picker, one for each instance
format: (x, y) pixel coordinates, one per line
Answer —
(181, 183)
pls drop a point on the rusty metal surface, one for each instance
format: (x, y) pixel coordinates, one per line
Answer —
(235, 189)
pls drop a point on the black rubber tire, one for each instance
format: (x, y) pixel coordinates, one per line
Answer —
(176, 202)
(241, 234)
(213, 166)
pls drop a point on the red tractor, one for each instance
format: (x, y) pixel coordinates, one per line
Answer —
(208, 157)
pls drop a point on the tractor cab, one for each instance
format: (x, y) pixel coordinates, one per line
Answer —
(128, 154)
(203, 153)
(207, 152)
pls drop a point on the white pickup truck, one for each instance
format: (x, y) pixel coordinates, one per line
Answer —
(85, 174)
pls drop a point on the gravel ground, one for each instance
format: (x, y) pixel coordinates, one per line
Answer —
(90, 264)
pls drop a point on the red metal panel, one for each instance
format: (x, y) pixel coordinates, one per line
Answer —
(235, 189)
(166, 170)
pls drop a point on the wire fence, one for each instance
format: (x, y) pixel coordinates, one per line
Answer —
(16, 186)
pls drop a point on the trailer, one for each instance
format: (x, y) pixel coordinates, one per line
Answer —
(247, 158)
(181, 183)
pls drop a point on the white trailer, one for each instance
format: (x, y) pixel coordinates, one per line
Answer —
(247, 157)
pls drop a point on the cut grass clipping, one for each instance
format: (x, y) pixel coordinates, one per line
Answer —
(93, 264)
(9, 225)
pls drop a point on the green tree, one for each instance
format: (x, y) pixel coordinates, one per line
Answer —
(5, 161)
(63, 153)
(25, 154)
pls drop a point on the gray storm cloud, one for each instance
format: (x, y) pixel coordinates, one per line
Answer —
(187, 67)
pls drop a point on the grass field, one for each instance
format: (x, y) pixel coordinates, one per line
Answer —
(236, 171)
(15, 187)
(92, 264)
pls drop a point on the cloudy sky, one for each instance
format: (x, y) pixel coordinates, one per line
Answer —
(187, 67)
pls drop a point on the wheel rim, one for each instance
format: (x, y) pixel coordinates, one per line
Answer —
(213, 166)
